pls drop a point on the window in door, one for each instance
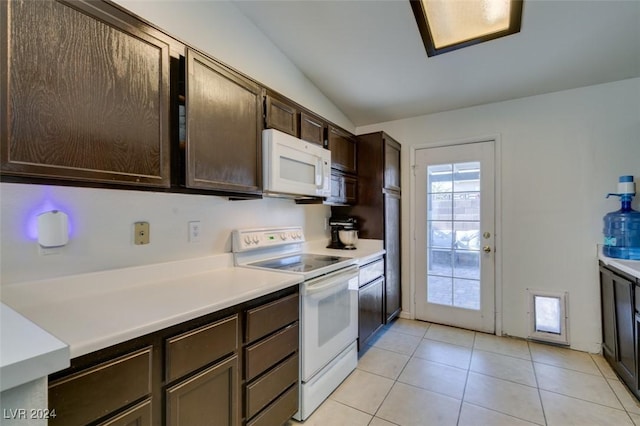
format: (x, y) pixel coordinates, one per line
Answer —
(453, 240)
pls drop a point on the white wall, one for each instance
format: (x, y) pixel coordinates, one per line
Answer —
(218, 28)
(561, 154)
(101, 222)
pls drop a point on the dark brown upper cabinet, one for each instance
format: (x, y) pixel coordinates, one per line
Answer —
(391, 164)
(84, 94)
(344, 189)
(281, 116)
(224, 128)
(343, 150)
(312, 129)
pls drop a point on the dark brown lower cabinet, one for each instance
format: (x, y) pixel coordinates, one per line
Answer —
(279, 411)
(191, 373)
(271, 362)
(620, 324)
(140, 415)
(96, 392)
(208, 398)
(370, 310)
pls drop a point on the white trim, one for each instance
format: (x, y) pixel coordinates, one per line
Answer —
(563, 337)
(497, 139)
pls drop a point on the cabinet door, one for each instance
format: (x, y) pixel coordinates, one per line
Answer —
(343, 150)
(311, 128)
(370, 310)
(625, 329)
(607, 300)
(344, 189)
(84, 95)
(391, 164)
(208, 398)
(392, 246)
(224, 125)
(140, 415)
(336, 188)
(281, 116)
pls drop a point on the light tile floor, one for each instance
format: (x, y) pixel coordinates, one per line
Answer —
(417, 373)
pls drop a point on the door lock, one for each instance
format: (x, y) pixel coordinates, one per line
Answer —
(486, 249)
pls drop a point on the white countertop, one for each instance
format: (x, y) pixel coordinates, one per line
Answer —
(631, 267)
(366, 250)
(26, 351)
(88, 312)
(96, 310)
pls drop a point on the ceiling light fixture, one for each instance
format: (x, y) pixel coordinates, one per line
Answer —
(447, 25)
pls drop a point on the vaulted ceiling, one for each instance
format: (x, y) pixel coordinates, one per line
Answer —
(367, 56)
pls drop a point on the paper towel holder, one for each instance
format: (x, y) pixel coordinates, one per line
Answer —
(53, 229)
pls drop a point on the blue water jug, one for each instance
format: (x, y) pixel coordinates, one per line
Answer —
(622, 227)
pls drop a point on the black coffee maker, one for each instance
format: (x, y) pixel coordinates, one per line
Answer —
(337, 224)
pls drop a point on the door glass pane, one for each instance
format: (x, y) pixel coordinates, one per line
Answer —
(440, 241)
(466, 177)
(453, 240)
(466, 206)
(440, 178)
(440, 290)
(440, 207)
(466, 293)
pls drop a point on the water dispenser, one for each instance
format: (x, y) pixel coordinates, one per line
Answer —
(622, 227)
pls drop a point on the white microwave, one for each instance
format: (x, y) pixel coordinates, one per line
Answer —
(293, 167)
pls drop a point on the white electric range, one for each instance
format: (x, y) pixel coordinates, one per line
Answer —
(328, 306)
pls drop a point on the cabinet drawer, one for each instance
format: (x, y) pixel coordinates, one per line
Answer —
(98, 391)
(371, 271)
(280, 411)
(268, 352)
(197, 348)
(261, 392)
(273, 316)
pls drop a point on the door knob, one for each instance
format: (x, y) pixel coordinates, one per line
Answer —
(486, 249)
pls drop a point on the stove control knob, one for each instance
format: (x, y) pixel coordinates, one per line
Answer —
(299, 235)
(256, 238)
(247, 239)
(283, 236)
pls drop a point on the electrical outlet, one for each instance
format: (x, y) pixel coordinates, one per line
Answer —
(141, 233)
(195, 231)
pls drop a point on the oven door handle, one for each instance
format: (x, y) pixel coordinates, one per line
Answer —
(341, 279)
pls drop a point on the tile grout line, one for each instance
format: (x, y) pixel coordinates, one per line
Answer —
(535, 376)
(466, 379)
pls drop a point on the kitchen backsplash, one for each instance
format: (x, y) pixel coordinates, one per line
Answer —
(101, 223)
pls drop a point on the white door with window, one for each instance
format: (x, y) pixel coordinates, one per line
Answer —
(454, 235)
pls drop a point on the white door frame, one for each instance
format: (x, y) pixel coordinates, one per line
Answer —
(496, 138)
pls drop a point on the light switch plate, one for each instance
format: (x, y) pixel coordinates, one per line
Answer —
(141, 233)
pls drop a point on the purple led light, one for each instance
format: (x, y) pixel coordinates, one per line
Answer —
(31, 226)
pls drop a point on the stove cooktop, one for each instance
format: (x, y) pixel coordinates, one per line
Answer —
(299, 262)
